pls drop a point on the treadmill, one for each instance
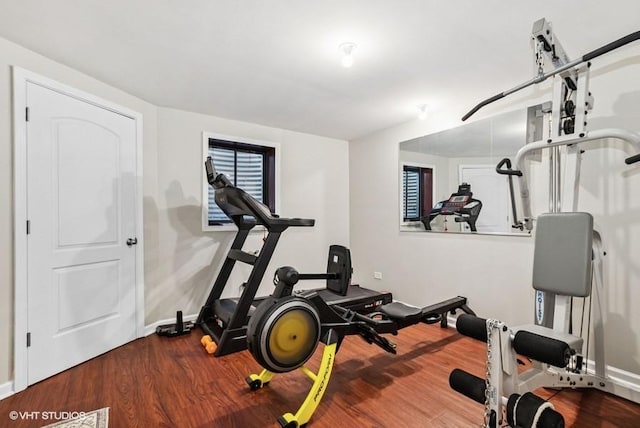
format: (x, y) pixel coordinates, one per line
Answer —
(461, 206)
(225, 320)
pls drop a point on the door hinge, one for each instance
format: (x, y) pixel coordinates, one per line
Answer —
(26, 114)
(28, 339)
(28, 227)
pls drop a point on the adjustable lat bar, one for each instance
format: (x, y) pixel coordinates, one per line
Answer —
(541, 78)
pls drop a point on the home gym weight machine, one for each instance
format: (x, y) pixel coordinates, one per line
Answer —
(282, 330)
(567, 260)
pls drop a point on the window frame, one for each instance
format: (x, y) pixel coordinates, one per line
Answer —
(401, 204)
(417, 170)
(242, 142)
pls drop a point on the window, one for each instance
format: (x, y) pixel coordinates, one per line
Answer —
(248, 166)
(417, 192)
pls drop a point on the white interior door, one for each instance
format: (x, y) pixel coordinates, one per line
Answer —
(81, 169)
(493, 190)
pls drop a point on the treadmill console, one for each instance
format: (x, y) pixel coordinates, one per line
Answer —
(454, 204)
(461, 206)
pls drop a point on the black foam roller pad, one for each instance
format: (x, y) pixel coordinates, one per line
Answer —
(468, 385)
(550, 418)
(525, 409)
(472, 326)
(511, 404)
(540, 348)
(522, 411)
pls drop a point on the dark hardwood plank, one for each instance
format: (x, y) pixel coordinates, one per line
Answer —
(160, 382)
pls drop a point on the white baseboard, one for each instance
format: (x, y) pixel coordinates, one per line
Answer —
(619, 376)
(151, 328)
(6, 390)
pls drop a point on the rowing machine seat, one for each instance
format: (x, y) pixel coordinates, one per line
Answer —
(402, 314)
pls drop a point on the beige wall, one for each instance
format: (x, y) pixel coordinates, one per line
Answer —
(494, 272)
(183, 263)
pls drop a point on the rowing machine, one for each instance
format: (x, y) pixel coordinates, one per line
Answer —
(283, 330)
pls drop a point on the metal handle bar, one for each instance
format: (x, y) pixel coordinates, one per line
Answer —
(622, 134)
(587, 57)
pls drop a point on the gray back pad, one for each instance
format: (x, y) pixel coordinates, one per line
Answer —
(562, 256)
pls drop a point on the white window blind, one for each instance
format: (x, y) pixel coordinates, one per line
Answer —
(244, 169)
(410, 191)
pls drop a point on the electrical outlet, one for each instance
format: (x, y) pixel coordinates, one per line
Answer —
(377, 275)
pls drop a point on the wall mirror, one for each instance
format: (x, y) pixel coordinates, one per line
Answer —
(448, 180)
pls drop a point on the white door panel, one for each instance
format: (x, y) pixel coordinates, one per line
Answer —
(81, 206)
(87, 190)
(492, 189)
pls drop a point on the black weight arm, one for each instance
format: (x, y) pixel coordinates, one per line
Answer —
(632, 159)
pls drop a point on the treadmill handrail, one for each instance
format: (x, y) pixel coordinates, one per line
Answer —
(236, 203)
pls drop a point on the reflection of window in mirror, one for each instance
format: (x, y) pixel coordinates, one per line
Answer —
(467, 154)
(417, 192)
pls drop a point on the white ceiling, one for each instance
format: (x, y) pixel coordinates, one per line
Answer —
(276, 62)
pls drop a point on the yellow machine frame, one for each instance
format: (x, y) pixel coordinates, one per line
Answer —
(316, 392)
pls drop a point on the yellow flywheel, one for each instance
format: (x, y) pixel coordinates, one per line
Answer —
(283, 333)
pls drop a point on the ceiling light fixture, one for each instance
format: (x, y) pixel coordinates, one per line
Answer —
(422, 111)
(347, 54)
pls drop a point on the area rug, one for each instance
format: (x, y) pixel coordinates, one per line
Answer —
(95, 419)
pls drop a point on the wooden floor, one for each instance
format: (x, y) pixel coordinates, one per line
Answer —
(160, 382)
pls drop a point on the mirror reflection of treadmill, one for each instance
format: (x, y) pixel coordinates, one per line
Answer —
(460, 205)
